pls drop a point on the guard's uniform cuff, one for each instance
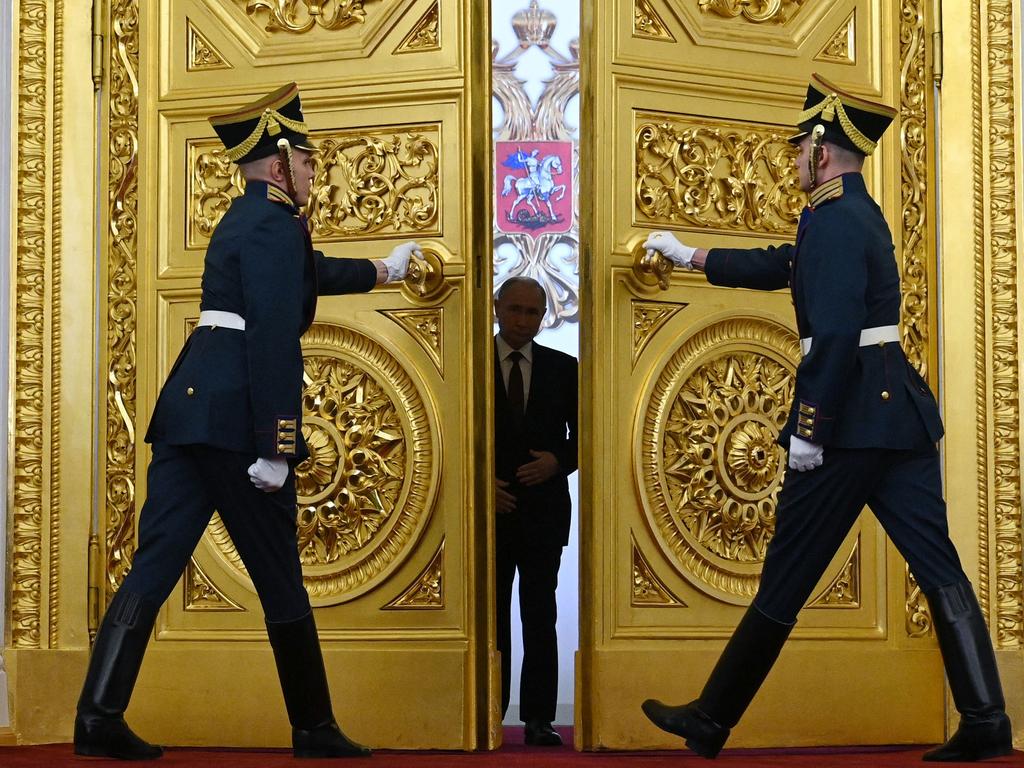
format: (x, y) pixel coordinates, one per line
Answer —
(281, 440)
(806, 421)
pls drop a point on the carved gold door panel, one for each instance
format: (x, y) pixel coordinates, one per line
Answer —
(688, 104)
(395, 93)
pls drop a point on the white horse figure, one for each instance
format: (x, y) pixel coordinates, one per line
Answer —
(539, 187)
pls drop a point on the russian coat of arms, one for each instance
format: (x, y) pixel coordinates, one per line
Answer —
(534, 185)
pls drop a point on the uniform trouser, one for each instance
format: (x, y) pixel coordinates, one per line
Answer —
(186, 483)
(537, 562)
(903, 488)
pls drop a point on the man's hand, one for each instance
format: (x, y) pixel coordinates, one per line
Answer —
(397, 263)
(504, 502)
(803, 455)
(268, 474)
(668, 246)
(543, 467)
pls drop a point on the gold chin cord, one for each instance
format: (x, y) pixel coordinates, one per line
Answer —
(284, 150)
(815, 154)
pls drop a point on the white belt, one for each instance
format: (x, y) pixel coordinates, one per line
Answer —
(217, 319)
(880, 334)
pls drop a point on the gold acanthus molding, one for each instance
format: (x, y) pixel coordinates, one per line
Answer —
(647, 23)
(299, 16)
(427, 590)
(756, 11)
(715, 176)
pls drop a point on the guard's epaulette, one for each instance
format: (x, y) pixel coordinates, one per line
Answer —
(830, 190)
(279, 196)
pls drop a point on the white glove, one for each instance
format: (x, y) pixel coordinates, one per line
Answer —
(398, 262)
(804, 455)
(268, 474)
(668, 246)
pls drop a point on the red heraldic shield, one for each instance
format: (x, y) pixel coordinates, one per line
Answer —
(534, 185)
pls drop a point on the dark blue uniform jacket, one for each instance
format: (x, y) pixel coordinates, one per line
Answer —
(242, 390)
(843, 276)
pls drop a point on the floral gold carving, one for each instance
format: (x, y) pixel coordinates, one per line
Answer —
(383, 181)
(717, 176)
(214, 181)
(841, 47)
(709, 464)
(997, 357)
(32, 439)
(648, 318)
(425, 326)
(647, 588)
(427, 591)
(757, 11)
(122, 287)
(367, 488)
(914, 133)
(201, 594)
(201, 54)
(426, 35)
(551, 258)
(647, 22)
(844, 590)
(919, 619)
(298, 16)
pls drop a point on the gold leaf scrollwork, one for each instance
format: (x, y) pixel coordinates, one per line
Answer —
(366, 490)
(648, 318)
(122, 289)
(647, 22)
(201, 54)
(647, 588)
(298, 16)
(214, 181)
(427, 590)
(914, 132)
(426, 327)
(201, 594)
(757, 11)
(710, 465)
(425, 35)
(383, 181)
(716, 176)
(844, 590)
(919, 618)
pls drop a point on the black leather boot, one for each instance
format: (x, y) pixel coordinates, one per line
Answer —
(100, 729)
(970, 662)
(300, 667)
(741, 669)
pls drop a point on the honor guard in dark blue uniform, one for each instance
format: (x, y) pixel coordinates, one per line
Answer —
(861, 432)
(227, 434)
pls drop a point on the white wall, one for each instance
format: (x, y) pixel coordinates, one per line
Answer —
(5, 294)
(534, 67)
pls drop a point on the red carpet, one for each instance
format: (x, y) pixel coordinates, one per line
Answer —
(512, 755)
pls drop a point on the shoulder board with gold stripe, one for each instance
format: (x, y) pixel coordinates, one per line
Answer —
(830, 190)
(279, 196)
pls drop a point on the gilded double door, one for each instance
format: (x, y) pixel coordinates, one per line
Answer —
(686, 106)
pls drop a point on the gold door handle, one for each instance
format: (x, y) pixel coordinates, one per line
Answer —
(425, 276)
(651, 268)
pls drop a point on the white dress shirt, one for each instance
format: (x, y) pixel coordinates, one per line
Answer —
(525, 364)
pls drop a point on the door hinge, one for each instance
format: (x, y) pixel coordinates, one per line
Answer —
(97, 44)
(937, 43)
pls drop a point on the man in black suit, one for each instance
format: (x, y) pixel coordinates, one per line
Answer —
(535, 443)
(227, 435)
(862, 431)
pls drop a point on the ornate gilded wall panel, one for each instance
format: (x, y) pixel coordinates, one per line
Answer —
(379, 182)
(122, 287)
(696, 172)
(997, 321)
(31, 440)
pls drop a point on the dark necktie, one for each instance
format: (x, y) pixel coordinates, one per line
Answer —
(515, 384)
